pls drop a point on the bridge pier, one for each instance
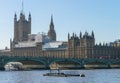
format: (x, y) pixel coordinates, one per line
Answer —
(82, 66)
(2, 66)
(2, 63)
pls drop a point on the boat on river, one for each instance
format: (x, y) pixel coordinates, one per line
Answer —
(59, 74)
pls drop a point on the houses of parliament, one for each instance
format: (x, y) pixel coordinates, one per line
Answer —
(45, 45)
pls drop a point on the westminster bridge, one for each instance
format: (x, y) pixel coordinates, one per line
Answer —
(47, 61)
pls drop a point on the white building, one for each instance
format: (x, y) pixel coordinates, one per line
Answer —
(33, 39)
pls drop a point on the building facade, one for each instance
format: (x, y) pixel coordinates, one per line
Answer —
(46, 45)
(85, 47)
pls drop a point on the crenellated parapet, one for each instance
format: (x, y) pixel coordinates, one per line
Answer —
(83, 40)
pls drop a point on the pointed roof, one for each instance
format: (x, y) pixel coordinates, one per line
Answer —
(80, 34)
(15, 16)
(51, 23)
(51, 19)
(29, 14)
(92, 34)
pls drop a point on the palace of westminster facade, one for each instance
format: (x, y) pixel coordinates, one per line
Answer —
(45, 45)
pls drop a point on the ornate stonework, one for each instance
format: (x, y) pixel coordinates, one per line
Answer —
(22, 28)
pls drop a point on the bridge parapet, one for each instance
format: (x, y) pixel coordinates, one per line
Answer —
(49, 60)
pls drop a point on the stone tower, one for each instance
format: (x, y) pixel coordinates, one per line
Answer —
(82, 46)
(51, 32)
(73, 44)
(22, 28)
(87, 40)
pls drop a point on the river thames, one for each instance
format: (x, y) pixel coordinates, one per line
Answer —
(36, 76)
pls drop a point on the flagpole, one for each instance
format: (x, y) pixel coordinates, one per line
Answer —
(22, 6)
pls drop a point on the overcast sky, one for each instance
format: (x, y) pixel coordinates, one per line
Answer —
(101, 16)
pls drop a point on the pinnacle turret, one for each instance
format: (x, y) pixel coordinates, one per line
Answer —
(92, 34)
(29, 18)
(15, 17)
(51, 32)
(80, 35)
(68, 36)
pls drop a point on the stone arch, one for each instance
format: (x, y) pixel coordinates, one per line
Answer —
(28, 62)
(96, 64)
(115, 64)
(65, 63)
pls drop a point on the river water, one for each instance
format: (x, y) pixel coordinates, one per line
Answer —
(91, 76)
